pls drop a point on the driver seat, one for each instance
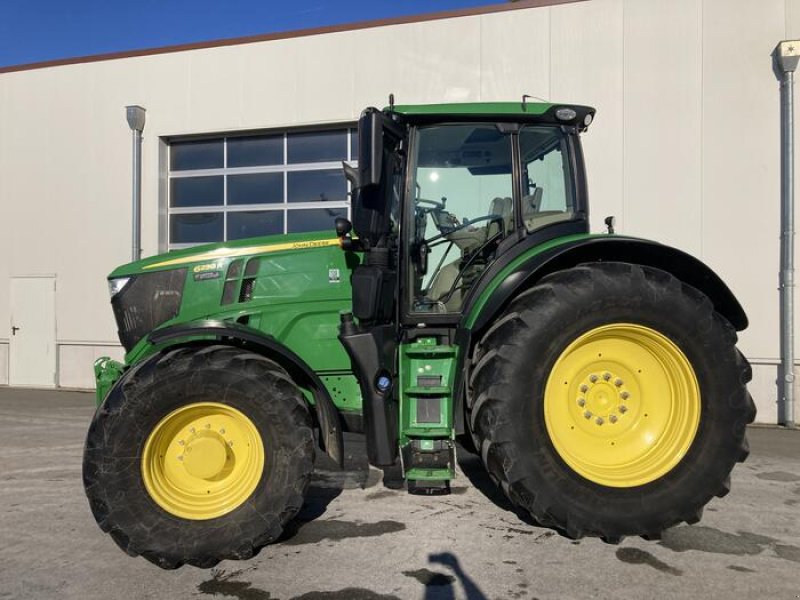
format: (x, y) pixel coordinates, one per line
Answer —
(532, 204)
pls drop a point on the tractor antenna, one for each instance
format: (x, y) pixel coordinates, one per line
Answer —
(525, 98)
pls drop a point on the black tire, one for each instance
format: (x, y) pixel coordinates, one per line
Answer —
(505, 405)
(112, 466)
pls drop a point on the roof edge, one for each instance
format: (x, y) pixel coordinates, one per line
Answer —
(268, 37)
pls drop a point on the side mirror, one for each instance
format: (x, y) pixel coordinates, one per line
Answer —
(378, 137)
(370, 148)
(343, 227)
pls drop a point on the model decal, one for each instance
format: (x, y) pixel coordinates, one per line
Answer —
(207, 267)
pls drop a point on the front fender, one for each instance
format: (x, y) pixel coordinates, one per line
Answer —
(227, 332)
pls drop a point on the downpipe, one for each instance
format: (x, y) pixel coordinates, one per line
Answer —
(136, 209)
(136, 117)
(785, 62)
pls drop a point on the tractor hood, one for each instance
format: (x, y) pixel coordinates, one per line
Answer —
(228, 281)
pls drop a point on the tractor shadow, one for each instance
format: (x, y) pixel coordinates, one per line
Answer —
(328, 482)
(476, 473)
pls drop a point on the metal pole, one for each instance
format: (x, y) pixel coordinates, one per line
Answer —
(786, 57)
(135, 116)
(787, 250)
(136, 211)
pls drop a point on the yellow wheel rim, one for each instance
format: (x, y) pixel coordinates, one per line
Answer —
(202, 460)
(622, 405)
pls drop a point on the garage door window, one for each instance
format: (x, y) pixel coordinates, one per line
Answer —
(234, 187)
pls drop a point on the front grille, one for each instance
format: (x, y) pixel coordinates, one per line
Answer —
(146, 302)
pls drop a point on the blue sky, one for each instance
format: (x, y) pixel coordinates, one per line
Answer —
(37, 30)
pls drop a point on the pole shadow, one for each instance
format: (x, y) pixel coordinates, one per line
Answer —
(440, 586)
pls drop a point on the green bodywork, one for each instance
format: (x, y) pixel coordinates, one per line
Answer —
(301, 285)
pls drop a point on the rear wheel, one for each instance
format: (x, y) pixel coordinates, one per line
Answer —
(610, 400)
(199, 455)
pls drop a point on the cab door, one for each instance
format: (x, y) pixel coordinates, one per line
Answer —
(461, 207)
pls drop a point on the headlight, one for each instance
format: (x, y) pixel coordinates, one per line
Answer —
(565, 114)
(115, 285)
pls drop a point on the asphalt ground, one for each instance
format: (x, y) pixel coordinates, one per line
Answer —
(357, 540)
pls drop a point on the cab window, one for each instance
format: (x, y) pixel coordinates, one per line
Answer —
(546, 191)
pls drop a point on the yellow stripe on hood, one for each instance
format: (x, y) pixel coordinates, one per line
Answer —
(234, 252)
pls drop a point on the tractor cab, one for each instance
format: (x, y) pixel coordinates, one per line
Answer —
(442, 195)
(445, 190)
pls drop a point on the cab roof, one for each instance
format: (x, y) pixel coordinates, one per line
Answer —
(516, 111)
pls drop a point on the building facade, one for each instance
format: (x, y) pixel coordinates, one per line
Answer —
(244, 137)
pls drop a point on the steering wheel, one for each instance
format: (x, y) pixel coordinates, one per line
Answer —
(445, 298)
(435, 204)
(452, 230)
(442, 219)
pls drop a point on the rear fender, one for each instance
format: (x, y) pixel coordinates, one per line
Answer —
(614, 249)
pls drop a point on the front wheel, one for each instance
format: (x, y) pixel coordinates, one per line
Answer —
(610, 400)
(199, 455)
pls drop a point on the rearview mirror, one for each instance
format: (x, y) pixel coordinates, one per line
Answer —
(370, 148)
(378, 137)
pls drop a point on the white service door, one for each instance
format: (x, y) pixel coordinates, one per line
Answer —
(32, 351)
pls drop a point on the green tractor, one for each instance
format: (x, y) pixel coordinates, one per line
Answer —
(596, 376)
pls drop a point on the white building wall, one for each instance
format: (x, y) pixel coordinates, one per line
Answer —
(662, 96)
(685, 147)
(587, 63)
(741, 165)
